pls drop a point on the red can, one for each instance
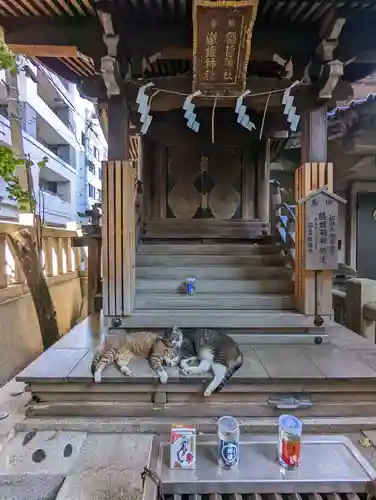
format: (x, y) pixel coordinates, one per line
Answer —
(289, 446)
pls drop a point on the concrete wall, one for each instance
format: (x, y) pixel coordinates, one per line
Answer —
(20, 339)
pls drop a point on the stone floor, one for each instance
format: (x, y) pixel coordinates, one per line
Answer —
(82, 459)
(346, 356)
(73, 465)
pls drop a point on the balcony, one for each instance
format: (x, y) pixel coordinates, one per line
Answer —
(59, 207)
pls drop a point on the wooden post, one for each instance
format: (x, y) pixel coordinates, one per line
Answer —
(118, 216)
(314, 173)
(263, 189)
(118, 238)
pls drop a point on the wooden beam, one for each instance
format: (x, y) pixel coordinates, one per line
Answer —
(44, 50)
(85, 34)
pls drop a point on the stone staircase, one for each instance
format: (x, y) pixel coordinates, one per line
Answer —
(239, 286)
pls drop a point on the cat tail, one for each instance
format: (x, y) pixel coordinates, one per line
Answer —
(230, 372)
(101, 360)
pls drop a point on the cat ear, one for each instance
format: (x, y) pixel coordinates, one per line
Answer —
(174, 328)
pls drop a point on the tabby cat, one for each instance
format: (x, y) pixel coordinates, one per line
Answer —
(158, 349)
(213, 350)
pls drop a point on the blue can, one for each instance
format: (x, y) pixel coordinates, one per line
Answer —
(190, 286)
(228, 436)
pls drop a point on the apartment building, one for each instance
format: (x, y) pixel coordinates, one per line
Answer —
(57, 123)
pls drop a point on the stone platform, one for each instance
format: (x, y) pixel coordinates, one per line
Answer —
(335, 379)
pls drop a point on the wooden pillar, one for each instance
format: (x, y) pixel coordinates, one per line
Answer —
(118, 129)
(118, 216)
(314, 173)
(262, 180)
(314, 135)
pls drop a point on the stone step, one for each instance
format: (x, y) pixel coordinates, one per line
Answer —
(213, 272)
(199, 229)
(210, 286)
(254, 321)
(208, 249)
(210, 260)
(233, 302)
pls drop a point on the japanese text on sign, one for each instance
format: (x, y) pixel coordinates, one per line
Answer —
(321, 233)
(230, 51)
(222, 44)
(211, 54)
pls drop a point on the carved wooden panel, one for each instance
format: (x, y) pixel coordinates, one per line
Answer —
(204, 185)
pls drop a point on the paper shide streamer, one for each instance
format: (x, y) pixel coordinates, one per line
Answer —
(240, 109)
(143, 102)
(189, 114)
(290, 110)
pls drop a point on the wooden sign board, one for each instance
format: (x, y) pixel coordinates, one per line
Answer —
(222, 35)
(321, 230)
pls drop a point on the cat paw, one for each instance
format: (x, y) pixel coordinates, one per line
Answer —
(208, 392)
(183, 371)
(97, 377)
(163, 377)
(126, 371)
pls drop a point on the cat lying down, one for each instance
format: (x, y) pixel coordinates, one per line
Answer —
(196, 353)
(214, 351)
(159, 350)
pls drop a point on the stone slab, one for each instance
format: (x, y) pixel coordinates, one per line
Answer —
(252, 367)
(13, 399)
(337, 363)
(52, 365)
(86, 335)
(287, 362)
(30, 487)
(108, 467)
(41, 452)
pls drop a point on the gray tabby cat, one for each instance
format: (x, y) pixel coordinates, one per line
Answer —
(213, 350)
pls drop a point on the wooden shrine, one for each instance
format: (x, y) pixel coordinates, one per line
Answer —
(223, 84)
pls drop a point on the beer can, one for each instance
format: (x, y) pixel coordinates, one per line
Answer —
(228, 436)
(289, 441)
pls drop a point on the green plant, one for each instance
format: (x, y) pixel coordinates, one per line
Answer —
(7, 58)
(8, 165)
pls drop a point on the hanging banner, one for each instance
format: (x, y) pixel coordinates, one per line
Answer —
(222, 36)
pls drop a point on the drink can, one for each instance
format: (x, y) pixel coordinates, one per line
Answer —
(228, 436)
(190, 286)
(289, 441)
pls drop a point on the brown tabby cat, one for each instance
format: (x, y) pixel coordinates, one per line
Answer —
(159, 350)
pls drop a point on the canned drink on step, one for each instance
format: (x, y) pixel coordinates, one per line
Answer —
(289, 441)
(228, 436)
(190, 286)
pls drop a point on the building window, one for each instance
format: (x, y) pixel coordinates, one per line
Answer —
(83, 138)
(100, 173)
(91, 191)
(96, 153)
(91, 166)
(99, 193)
(49, 186)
